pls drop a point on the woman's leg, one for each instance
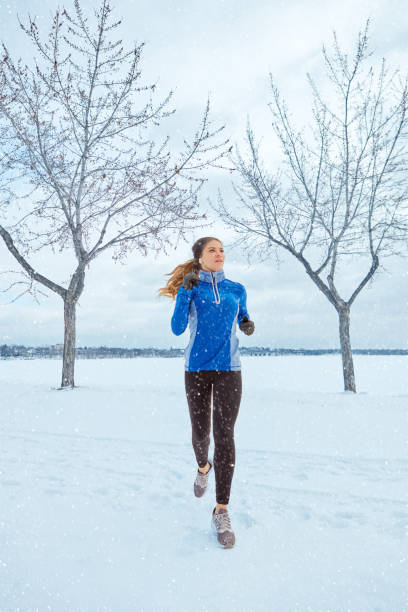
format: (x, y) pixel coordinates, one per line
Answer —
(198, 391)
(227, 393)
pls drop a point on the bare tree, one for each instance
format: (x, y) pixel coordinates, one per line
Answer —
(341, 194)
(81, 165)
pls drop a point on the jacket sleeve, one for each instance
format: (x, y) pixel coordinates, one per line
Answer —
(179, 319)
(242, 311)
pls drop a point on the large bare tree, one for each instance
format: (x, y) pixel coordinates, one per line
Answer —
(339, 202)
(83, 164)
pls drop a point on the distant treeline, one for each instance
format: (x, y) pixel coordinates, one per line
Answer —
(100, 352)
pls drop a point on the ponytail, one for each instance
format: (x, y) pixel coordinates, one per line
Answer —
(176, 277)
(191, 265)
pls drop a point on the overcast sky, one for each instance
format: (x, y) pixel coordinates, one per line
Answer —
(225, 50)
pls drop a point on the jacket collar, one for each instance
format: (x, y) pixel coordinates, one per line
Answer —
(217, 276)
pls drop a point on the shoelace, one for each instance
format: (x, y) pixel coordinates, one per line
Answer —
(222, 521)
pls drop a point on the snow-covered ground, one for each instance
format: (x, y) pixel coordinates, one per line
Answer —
(97, 510)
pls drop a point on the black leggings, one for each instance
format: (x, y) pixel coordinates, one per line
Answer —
(227, 390)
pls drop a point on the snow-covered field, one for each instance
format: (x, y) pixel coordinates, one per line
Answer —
(97, 510)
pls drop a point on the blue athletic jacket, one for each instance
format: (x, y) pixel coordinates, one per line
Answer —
(212, 309)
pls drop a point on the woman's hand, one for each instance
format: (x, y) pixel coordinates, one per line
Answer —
(247, 326)
(189, 280)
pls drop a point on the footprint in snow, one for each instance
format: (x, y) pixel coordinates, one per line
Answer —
(10, 483)
(246, 520)
(301, 476)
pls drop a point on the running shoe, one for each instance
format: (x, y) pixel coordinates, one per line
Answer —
(201, 482)
(222, 526)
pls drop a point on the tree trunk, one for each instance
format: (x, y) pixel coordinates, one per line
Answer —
(71, 298)
(346, 353)
(68, 359)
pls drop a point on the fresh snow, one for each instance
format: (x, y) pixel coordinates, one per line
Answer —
(97, 511)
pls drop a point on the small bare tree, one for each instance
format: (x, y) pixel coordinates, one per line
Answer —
(80, 163)
(341, 195)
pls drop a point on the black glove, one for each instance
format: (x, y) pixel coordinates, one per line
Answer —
(247, 326)
(189, 280)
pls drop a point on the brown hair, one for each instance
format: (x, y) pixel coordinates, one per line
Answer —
(176, 276)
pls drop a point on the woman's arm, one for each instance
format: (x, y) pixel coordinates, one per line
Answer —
(245, 324)
(179, 319)
(242, 312)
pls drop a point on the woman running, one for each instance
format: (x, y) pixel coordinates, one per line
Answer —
(211, 305)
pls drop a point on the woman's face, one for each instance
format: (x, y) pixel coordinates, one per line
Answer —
(212, 256)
